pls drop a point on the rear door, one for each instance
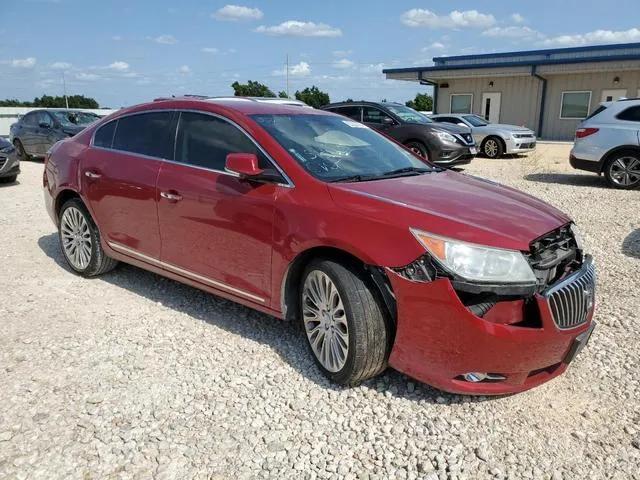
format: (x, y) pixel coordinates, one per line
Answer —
(119, 174)
(26, 132)
(354, 112)
(216, 228)
(43, 133)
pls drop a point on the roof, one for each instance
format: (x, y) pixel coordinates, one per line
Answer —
(244, 105)
(596, 53)
(360, 102)
(270, 100)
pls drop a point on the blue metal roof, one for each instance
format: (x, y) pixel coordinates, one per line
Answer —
(536, 57)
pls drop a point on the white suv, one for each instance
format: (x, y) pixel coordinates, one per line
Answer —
(608, 141)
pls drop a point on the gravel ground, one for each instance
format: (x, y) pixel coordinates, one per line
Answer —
(135, 376)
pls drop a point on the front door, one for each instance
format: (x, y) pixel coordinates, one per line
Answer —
(491, 106)
(119, 181)
(613, 94)
(216, 228)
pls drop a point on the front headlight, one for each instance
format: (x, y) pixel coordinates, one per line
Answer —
(577, 236)
(476, 262)
(446, 137)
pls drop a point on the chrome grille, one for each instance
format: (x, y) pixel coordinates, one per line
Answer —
(571, 300)
(523, 135)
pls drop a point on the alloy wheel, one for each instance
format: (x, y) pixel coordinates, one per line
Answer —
(625, 171)
(325, 321)
(76, 238)
(491, 148)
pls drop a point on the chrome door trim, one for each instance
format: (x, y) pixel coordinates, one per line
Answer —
(181, 271)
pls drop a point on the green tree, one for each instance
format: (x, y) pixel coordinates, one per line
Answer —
(47, 101)
(313, 97)
(422, 103)
(251, 89)
(283, 95)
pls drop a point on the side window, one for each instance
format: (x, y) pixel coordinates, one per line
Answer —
(30, 119)
(205, 141)
(145, 134)
(372, 115)
(631, 114)
(351, 112)
(104, 135)
(44, 118)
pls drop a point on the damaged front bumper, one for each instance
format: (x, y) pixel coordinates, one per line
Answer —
(517, 343)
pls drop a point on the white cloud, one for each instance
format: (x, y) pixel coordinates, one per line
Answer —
(373, 68)
(184, 70)
(296, 28)
(434, 46)
(28, 62)
(595, 37)
(119, 66)
(419, 17)
(343, 63)
(87, 76)
(233, 13)
(209, 50)
(116, 38)
(301, 69)
(341, 53)
(59, 65)
(517, 18)
(165, 39)
(512, 32)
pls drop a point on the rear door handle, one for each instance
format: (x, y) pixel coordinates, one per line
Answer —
(174, 197)
(92, 174)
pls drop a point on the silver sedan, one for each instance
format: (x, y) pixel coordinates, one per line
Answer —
(495, 139)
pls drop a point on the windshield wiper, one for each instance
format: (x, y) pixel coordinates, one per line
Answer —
(405, 170)
(350, 178)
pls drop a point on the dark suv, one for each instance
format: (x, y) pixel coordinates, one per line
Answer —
(444, 144)
(34, 133)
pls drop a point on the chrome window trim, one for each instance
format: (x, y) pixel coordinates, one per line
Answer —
(289, 183)
(185, 273)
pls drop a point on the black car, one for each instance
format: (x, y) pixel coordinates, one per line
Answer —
(9, 162)
(443, 144)
(34, 133)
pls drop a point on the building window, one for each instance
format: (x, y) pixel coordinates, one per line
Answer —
(575, 105)
(461, 103)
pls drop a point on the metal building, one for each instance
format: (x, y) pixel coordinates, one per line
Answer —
(549, 91)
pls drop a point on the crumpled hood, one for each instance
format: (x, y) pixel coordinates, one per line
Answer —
(453, 205)
(450, 127)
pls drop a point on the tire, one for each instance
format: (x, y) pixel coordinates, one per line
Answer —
(22, 154)
(492, 147)
(622, 170)
(10, 179)
(352, 311)
(418, 148)
(75, 226)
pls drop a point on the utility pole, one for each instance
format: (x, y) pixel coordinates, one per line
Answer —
(287, 67)
(64, 86)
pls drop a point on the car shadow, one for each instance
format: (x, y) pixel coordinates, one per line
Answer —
(631, 244)
(568, 179)
(9, 184)
(284, 338)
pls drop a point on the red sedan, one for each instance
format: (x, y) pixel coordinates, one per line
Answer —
(461, 283)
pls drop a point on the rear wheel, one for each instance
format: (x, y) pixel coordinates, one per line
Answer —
(80, 240)
(622, 170)
(347, 330)
(418, 148)
(22, 155)
(492, 147)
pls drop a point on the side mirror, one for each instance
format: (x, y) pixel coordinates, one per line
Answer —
(244, 164)
(44, 125)
(388, 121)
(461, 124)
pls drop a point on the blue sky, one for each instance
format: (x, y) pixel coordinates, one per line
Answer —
(125, 52)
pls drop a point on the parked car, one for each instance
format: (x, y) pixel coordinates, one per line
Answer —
(445, 145)
(608, 142)
(35, 132)
(9, 162)
(495, 139)
(302, 214)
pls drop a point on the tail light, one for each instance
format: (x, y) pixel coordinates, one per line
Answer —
(585, 132)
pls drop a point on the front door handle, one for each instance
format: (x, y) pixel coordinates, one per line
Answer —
(174, 197)
(90, 174)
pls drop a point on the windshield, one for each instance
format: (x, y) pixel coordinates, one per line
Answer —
(476, 120)
(332, 148)
(408, 114)
(71, 118)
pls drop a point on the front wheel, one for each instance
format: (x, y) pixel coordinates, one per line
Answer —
(622, 170)
(20, 151)
(492, 147)
(419, 149)
(347, 330)
(80, 240)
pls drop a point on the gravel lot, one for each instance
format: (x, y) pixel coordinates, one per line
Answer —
(135, 376)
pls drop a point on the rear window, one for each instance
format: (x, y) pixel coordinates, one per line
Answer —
(631, 114)
(104, 135)
(601, 108)
(145, 134)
